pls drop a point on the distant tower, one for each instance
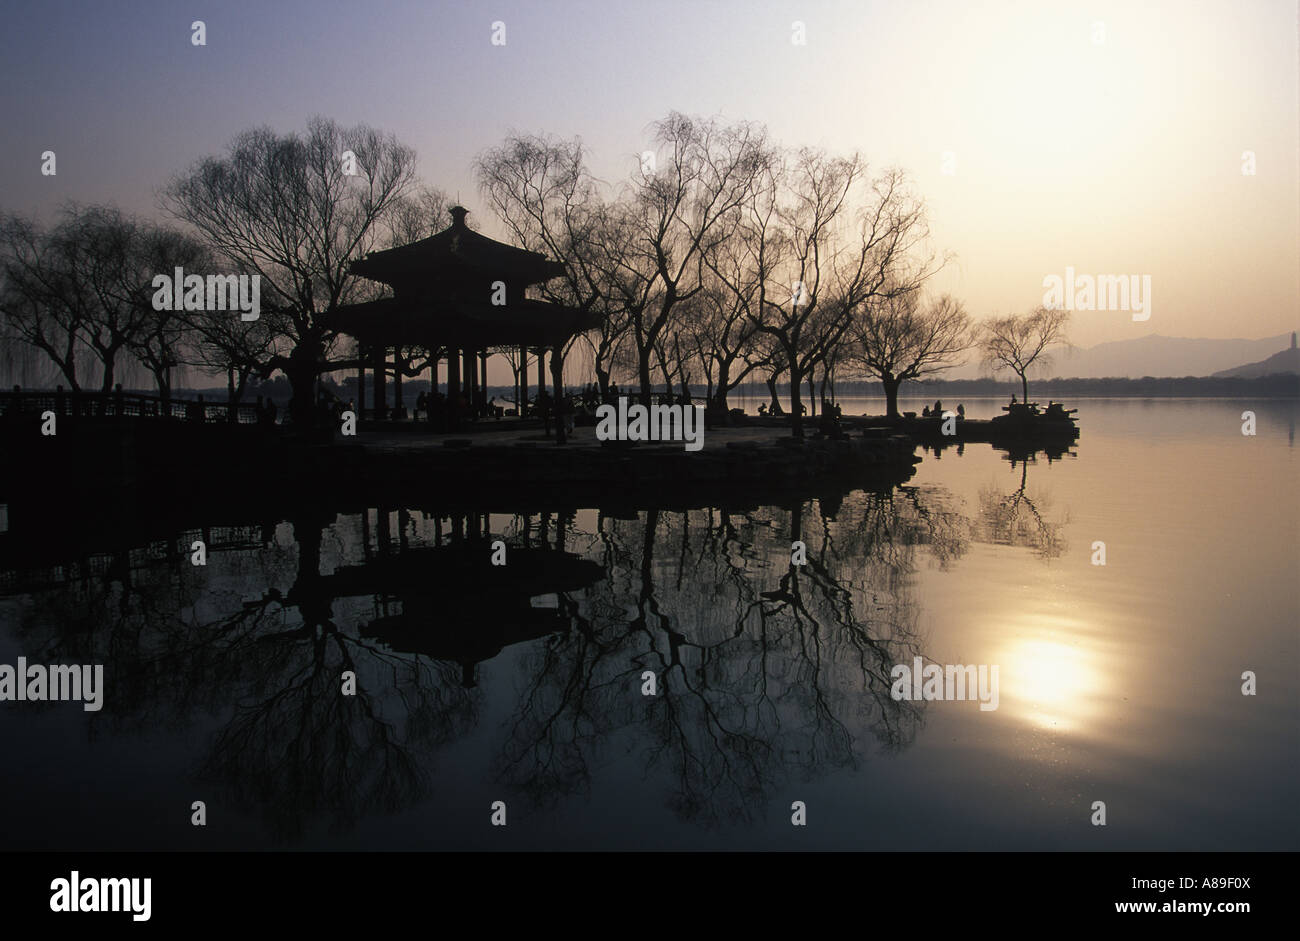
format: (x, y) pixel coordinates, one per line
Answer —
(1293, 339)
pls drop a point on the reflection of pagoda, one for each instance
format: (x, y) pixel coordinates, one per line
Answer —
(457, 605)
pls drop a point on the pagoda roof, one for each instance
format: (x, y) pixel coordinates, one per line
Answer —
(456, 253)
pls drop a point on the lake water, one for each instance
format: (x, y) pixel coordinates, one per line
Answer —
(1119, 683)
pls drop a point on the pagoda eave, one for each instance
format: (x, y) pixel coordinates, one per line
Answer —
(460, 324)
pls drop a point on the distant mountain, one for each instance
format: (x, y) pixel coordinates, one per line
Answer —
(1157, 355)
(1287, 361)
(1152, 355)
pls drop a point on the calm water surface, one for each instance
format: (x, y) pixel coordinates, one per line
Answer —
(1118, 683)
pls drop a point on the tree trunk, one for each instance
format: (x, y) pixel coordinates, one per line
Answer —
(796, 380)
(643, 375)
(303, 383)
(68, 364)
(301, 371)
(668, 379)
(241, 383)
(718, 394)
(891, 394)
(1024, 387)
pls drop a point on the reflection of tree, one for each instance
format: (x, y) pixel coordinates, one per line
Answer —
(1015, 519)
(766, 670)
(298, 749)
(295, 749)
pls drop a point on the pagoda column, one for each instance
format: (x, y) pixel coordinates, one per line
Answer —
(521, 381)
(471, 393)
(361, 381)
(381, 396)
(557, 380)
(541, 369)
(453, 381)
(433, 384)
(482, 386)
(397, 383)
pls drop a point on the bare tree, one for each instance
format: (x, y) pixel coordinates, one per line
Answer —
(42, 303)
(220, 344)
(823, 240)
(165, 337)
(104, 249)
(417, 215)
(1017, 342)
(721, 328)
(283, 208)
(905, 337)
(541, 189)
(674, 218)
(86, 283)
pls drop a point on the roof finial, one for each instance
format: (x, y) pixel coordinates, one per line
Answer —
(458, 214)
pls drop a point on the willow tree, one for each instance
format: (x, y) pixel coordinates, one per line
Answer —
(43, 306)
(906, 337)
(823, 239)
(678, 208)
(296, 210)
(721, 328)
(541, 190)
(83, 286)
(1018, 342)
(165, 339)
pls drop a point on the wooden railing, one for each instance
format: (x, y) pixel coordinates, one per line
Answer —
(125, 405)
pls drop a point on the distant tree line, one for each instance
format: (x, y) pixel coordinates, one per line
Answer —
(1279, 385)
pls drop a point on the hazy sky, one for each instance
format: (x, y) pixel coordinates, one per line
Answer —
(1118, 157)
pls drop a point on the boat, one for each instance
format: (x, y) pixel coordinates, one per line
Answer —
(1024, 419)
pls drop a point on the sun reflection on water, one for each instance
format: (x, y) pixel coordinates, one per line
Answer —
(1051, 677)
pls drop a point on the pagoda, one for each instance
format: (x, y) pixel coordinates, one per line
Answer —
(460, 295)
